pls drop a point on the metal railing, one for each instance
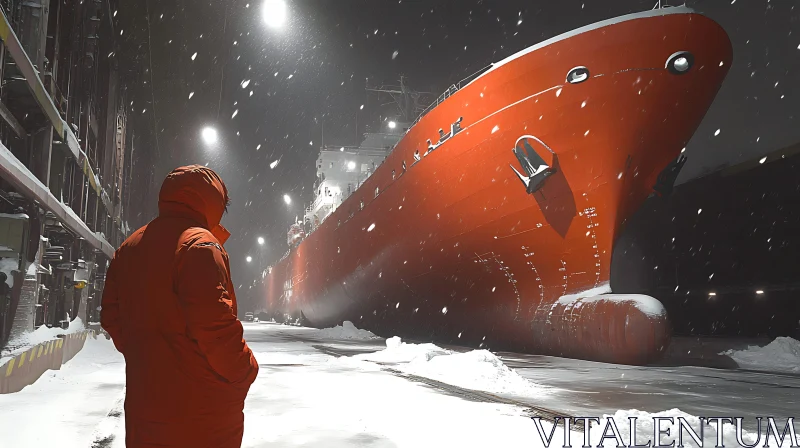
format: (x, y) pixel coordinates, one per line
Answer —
(450, 91)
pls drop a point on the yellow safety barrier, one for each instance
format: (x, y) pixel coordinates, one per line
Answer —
(24, 369)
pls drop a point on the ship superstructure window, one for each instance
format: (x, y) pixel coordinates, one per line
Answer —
(392, 174)
(377, 191)
(404, 165)
(361, 205)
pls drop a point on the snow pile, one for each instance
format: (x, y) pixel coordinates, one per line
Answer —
(345, 331)
(781, 355)
(39, 336)
(397, 352)
(645, 426)
(476, 369)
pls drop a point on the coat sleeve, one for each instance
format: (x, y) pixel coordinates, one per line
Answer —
(209, 312)
(110, 315)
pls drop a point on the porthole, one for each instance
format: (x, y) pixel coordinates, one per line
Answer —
(680, 62)
(578, 75)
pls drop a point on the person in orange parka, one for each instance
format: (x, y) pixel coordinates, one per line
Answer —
(169, 307)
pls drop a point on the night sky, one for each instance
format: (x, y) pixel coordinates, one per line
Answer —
(268, 91)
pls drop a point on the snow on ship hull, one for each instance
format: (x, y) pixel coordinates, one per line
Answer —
(469, 245)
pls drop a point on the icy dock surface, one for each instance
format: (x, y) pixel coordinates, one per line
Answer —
(346, 388)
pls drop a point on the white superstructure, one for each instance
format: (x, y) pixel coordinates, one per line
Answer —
(341, 170)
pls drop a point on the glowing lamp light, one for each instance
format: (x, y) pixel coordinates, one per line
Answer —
(261, 240)
(274, 13)
(392, 125)
(712, 294)
(209, 135)
(759, 292)
(249, 258)
(351, 165)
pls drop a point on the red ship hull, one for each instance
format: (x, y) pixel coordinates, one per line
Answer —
(456, 248)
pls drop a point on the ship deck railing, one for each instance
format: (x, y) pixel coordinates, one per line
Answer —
(450, 91)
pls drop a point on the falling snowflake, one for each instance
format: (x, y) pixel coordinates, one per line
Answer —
(274, 164)
(194, 56)
(191, 95)
(394, 55)
(236, 112)
(245, 84)
(495, 129)
(444, 310)
(762, 160)
(717, 132)
(371, 227)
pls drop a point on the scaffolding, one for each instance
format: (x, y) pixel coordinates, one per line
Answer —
(64, 143)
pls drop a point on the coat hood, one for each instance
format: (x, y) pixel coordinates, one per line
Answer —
(195, 192)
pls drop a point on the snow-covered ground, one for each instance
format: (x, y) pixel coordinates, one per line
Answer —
(345, 387)
(64, 407)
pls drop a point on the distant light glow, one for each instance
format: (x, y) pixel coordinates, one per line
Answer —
(392, 125)
(759, 292)
(351, 165)
(261, 240)
(249, 258)
(712, 294)
(762, 160)
(341, 149)
(209, 135)
(287, 199)
(274, 13)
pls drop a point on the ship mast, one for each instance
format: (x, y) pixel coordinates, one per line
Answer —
(407, 101)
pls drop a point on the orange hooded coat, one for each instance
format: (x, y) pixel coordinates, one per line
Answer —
(169, 306)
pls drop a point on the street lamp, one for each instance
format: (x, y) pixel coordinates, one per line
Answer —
(274, 13)
(249, 258)
(261, 240)
(392, 125)
(209, 135)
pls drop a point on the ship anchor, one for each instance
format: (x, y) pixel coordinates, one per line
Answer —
(533, 164)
